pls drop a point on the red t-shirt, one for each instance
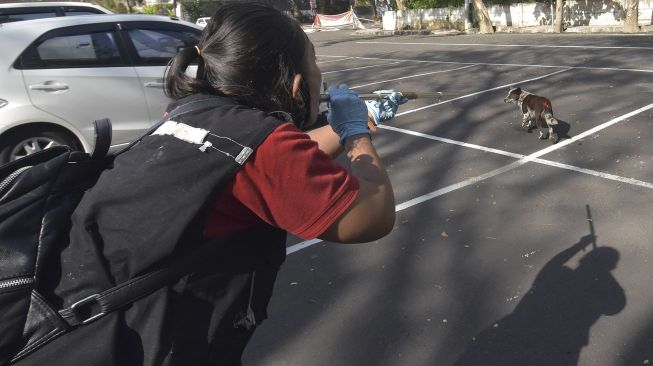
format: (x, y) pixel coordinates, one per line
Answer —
(290, 184)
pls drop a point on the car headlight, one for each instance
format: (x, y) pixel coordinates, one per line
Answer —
(3, 103)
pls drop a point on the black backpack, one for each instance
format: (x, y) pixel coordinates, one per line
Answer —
(38, 195)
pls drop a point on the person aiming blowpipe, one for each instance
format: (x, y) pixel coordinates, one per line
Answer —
(381, 104)
(380, 94)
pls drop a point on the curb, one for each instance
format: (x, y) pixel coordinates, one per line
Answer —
(433, 32)
(577, 29)
(541, 29)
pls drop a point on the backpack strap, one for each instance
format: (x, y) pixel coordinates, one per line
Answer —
(191, 106)
(97, 305)
(102, 138)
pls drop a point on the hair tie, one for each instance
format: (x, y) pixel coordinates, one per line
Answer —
(199, 52)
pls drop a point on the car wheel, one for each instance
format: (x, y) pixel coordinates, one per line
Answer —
(23, 143)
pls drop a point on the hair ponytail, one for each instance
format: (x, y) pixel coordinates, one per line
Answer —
(179, 84)
(249, 52)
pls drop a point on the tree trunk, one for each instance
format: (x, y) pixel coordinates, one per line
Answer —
(483, 17)
(375, 16)
(295, 9)
(631, 25)
(559, 15)
(401, 5)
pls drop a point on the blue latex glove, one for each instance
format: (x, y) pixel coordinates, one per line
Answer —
(385, 109)
(347, 114)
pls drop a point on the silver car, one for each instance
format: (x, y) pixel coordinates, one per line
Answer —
(15, 12)
(58, 75)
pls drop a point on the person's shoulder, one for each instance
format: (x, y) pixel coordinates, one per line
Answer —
(286, 132)
(287, 141)
(188, 98)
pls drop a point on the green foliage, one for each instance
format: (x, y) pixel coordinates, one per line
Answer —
(431, 4)
(159, 9)
(115, 6)
(510, 2)
(194, 8)
(122, 9)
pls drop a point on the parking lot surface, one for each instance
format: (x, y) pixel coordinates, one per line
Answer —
(489, 262)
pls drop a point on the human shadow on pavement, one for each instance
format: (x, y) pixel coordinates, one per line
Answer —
(551, 324)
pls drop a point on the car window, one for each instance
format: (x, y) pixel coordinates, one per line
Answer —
(71, 11)
(157, 46)
(76, 50)
(16, 15)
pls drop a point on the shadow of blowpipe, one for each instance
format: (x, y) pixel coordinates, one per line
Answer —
(591, 223)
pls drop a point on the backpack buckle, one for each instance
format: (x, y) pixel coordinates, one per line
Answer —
(83, 309)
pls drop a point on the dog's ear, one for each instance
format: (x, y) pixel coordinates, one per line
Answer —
(517, 90)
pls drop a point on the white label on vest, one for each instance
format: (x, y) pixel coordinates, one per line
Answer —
(182, 131)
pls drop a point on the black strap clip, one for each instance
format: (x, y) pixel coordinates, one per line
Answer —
(84, 310)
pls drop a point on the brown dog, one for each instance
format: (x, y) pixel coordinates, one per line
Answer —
(534, 107)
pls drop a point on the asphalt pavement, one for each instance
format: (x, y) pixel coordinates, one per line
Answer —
(489, 262)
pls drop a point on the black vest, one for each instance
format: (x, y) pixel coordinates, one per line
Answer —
(149, 209)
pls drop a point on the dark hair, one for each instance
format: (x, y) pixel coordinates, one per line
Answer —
(249, 52)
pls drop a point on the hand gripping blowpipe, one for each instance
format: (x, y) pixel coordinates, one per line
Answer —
(382, 93)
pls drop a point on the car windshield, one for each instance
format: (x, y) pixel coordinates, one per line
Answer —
(16, 15)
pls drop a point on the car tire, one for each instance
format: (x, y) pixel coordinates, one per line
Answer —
(22, 143)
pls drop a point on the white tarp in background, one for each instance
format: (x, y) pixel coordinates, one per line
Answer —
(338, 21)
(389, 20)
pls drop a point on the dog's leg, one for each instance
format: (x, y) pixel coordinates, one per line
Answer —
(551, 122)
(526, 121)
(538, 122)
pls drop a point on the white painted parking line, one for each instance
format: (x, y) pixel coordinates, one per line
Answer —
(452, 142)
(411, 76)
(595, 173)
(302, 245)
(525, 159)
(360, 68)
(498, 64)
(405, 60)
(479, 92)
(588, 132)
(617, 178)
(341, 59)
(508, 45)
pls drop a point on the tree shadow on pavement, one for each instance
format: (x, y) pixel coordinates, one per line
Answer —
(551, 324)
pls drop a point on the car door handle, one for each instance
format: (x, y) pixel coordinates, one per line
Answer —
(49, 86)
(154, 84)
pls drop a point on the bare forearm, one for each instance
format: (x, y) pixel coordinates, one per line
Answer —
(372, 215)
(327, 140)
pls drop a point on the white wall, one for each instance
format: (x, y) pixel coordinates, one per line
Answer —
(577, 13)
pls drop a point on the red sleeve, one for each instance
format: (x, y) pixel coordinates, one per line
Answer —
(289, 183)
